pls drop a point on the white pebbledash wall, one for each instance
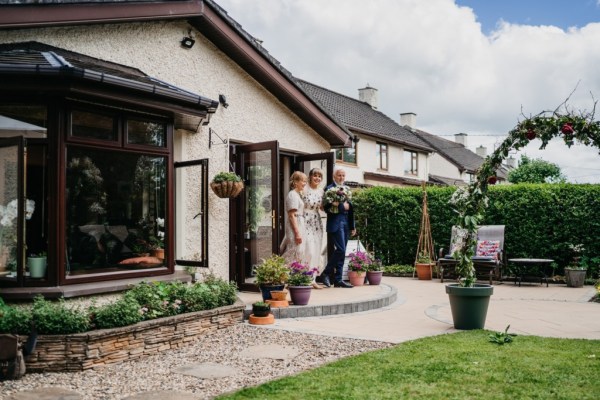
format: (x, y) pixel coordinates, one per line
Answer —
(254, 114)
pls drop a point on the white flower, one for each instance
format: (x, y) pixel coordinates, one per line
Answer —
(160, 222)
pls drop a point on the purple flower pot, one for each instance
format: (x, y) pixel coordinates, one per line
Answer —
(300, 294)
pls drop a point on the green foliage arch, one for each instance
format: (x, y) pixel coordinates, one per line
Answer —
(470, 202)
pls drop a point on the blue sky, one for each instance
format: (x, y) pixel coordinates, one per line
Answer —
(561, 13)
(448, 61)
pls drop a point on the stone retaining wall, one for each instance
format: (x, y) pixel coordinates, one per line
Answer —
(78, 352)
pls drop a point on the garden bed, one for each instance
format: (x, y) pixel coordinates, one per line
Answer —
(97, 348)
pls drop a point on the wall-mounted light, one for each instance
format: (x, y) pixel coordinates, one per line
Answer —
(355, 139)
(223, 100)
(187, 42)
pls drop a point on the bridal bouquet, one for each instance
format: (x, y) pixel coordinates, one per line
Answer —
(338, 194)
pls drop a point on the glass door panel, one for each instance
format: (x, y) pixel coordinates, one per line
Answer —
(257, 233)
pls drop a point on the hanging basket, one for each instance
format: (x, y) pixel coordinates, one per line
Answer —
(227, 189)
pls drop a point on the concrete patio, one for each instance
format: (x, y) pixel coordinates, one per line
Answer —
(422, 309)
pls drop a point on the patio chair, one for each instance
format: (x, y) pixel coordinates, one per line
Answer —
(489, 258)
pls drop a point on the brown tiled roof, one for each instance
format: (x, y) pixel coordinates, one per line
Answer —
(360, 117)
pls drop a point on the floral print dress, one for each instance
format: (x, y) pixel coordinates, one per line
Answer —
(313, 200)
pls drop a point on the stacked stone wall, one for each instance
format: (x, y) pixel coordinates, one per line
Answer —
(78, 352)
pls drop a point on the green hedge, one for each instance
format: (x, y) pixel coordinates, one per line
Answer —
(542, 220)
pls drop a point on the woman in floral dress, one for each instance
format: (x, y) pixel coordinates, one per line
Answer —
(313, 198)
(293, 245)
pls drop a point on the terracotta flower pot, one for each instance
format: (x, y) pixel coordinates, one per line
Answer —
(159, 253)
(423, 271)
(279, 295)
(356, 278)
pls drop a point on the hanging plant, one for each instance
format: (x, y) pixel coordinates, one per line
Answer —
(470, 202)
(227, 185)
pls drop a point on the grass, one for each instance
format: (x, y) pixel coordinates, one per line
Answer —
(464, 365)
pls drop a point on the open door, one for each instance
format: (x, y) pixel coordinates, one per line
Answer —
(255, 211)
(325, 161)
(257, 215)
(191, 223)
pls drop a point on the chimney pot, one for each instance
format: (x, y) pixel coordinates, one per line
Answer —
(481, 151)
(369, 96)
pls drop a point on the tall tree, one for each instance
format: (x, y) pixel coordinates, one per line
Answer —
(536, 171)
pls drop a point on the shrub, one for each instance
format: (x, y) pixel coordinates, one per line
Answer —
(123, 312)
(541, 220)
(397, 269)
(15, 320)
(142, 302)
(58, 318)
(157, 299)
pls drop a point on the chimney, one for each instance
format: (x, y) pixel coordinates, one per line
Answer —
(481, 151)
(511, 162)
(408, 119)
(369, 96)
(461, 138)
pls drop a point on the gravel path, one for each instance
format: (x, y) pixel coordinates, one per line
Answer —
(225, 347)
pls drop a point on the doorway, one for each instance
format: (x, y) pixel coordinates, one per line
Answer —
(257, 216)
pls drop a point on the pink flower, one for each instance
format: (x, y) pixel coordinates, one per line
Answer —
(567, 129)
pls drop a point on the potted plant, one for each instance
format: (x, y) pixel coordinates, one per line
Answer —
(157, 240)
(271, 274)
(375, 272)
(423, 266)
(261, 309)
(576, 271)
(300, 282)
(227, 184)
(36, 263)
(358, 265)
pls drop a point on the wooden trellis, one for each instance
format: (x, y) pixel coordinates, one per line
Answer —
(425, 241)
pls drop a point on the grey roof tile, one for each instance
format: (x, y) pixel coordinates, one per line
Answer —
(361, 117)
(456, 153)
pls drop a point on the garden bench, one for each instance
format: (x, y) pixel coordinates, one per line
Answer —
(489, 258)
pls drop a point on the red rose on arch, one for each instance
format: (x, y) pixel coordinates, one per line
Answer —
(567, 129)
(492, 180)
(530, 134)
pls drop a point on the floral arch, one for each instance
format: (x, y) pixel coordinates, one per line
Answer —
(471, 201)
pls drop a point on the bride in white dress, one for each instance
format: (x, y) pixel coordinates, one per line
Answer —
(313, 204)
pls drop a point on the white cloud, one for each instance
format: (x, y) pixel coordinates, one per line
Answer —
(431, 58)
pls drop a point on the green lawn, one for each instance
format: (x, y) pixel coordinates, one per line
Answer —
(464, 365)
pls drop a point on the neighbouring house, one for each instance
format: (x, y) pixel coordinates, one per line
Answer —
(383, 153)
(453, 164)
(114, 116)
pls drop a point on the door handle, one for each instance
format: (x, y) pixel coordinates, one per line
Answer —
(273, 219)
